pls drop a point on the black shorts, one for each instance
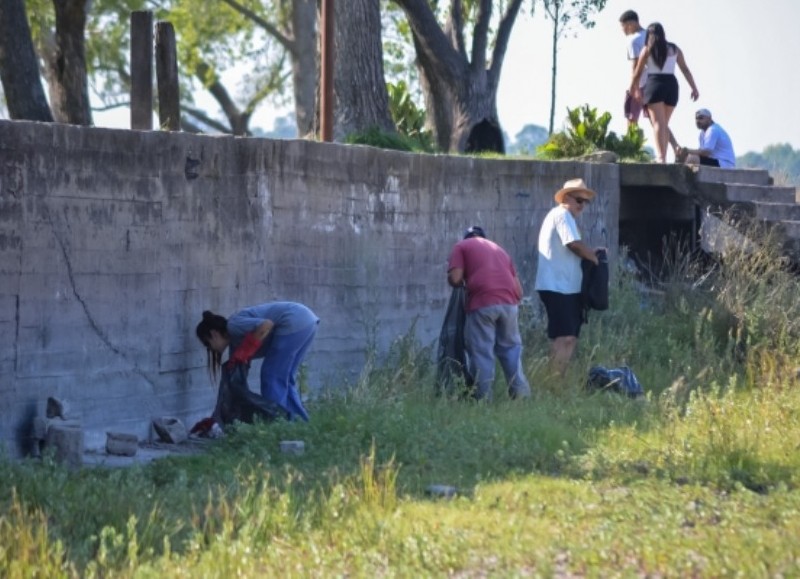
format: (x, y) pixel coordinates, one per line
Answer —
(564, 314)
(661, 88)
(708, 161)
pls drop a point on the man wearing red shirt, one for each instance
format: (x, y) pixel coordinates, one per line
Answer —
(493, 295)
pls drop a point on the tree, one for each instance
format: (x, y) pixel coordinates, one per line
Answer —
(214, 37)
(562, 13)
(781, 160)
(528, 139)
(293, 24)
(19, 71)
(66, 65)
(460, 87)
(362, 101)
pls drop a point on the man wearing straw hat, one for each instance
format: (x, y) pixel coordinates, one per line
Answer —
(559, 274)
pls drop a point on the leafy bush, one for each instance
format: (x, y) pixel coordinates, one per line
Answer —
(376, 137)
(588, 132)
(408, 117)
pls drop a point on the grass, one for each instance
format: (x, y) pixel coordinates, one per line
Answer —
(703, 479)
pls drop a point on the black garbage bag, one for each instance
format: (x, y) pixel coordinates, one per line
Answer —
(235, 400)
(452, 366)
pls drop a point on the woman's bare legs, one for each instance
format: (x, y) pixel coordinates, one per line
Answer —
(659, 119)
(668, 138)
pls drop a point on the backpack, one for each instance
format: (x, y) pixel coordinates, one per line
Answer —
(621, 380)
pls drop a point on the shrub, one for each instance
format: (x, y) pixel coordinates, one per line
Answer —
(376, 137)
(588, 132)
(408, 117)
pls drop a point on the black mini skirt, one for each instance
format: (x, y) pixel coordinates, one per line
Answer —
(661, 88)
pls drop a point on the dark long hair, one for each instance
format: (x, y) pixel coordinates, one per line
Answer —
(212, 321)
(656, 41)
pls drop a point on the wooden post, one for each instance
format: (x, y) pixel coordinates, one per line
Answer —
(142, 70)
(326, 72)
(169, 107)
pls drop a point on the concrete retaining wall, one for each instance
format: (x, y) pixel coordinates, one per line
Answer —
(113, 242)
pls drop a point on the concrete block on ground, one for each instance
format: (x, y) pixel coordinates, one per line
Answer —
(39, 428)
(441, 491)
(170, 430)
(66, 440)
(296, 447)
(121, 444)
(57, 408)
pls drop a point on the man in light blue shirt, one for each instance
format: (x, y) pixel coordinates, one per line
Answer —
(715, 148)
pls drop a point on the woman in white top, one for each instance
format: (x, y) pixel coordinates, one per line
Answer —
(660, 92)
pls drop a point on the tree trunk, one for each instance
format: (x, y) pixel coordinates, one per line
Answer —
(460, 86)
(438, 102)
(362, 101)
(554, 16)
(305, 64)
(69, 87)
(300, 41)
(19, 71)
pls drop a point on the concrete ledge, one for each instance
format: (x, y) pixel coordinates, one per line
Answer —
(742, 176)
(770, 194)
(680, 178)
(778, 211)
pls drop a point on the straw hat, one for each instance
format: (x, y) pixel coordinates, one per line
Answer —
(574, 186)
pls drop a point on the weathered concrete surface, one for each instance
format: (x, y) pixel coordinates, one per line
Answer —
(652, 196)
(113, 242)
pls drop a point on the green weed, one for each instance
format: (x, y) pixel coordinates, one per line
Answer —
(699, 479)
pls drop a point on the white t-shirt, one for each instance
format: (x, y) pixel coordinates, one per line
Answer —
(635, 44)
(559, 269)
(669, 63)
(716, 140)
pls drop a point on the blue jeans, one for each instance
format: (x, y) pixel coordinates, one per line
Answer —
(279, 370)
(494, 331)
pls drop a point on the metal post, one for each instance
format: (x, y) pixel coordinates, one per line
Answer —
(326, 73)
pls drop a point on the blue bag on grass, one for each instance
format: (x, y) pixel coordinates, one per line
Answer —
(621, 380)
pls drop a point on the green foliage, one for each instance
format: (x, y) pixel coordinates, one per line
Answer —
(587, 132)
(528, 140)
(376, 137)
(563, 12)
(700, 479)
(408, 117)
(782, 161)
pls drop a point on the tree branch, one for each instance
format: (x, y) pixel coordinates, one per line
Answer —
(456, 27)
(480, 35)
(501, 40)
(218, 91)
(205, 119)
(271, 29)
(432, 39)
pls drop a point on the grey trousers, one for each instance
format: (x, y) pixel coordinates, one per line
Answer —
(494, 331)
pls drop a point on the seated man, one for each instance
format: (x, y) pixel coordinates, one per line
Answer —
(715, 148)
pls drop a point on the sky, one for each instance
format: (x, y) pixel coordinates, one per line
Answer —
(742, 55)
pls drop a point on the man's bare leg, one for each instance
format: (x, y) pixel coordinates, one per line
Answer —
(561, 351)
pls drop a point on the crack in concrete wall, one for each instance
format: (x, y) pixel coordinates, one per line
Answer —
(361, 235)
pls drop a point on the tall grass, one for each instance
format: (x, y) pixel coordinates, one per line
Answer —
(701, 480)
